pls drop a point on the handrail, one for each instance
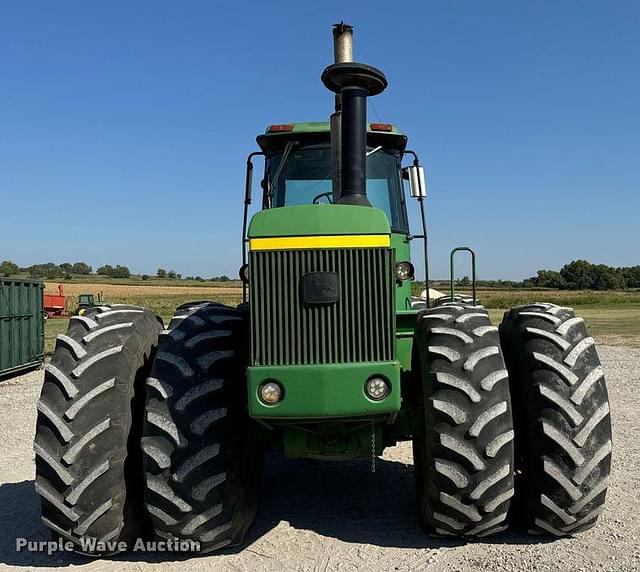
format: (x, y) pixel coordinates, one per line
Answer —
(245, 214)
(473, 271)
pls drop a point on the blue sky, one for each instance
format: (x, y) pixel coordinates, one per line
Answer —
(124, 126)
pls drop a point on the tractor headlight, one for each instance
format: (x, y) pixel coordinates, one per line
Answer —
(404, 271)
(270, 393)
(377, 388)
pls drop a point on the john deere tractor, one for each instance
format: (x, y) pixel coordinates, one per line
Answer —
(145, 431)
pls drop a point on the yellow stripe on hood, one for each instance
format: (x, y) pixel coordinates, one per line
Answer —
(310, 242)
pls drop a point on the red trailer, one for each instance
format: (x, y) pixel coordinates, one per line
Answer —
(54, 303)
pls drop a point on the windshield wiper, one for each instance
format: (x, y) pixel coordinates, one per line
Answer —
(285, 155)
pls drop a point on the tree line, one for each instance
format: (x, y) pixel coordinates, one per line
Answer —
(583, 275)
(576, 275)
(47, 270)
(173, 275)
(68, 270)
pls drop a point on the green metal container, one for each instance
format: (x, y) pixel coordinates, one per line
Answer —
(21, 325)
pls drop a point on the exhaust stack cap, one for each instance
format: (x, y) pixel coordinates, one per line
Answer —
(342, 43)
(336, 77)
(353, 82)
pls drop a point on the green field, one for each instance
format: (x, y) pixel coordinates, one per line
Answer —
(612, 317)
(612, 324)
(133, 280)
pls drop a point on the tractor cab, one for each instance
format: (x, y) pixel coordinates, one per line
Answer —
(299, 168)
(86, 301)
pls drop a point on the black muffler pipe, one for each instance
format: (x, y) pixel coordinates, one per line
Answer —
(354, 82)
(353, 154)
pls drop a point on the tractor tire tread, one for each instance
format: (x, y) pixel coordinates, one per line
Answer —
(88, 467)
(466, 452)
(562, 418)
(194, 413)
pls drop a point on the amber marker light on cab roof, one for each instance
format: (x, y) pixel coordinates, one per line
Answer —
(281, 128)
(381, 127)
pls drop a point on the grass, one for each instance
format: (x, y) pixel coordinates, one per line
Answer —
(612, 317)
(52, 328)
(611, 324)
(509, 298)
(161, 299)
(134, 279)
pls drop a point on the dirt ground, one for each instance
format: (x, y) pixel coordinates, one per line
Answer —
(339, 516)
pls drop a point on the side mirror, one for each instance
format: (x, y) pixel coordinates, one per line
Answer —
(415, 176)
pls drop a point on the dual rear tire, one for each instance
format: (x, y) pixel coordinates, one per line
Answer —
(113, 466)
(516, 423)
(202, 468)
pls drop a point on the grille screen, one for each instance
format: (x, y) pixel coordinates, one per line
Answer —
(359, 327)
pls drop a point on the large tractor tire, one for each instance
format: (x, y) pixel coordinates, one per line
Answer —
(463, 448)
(87, 445)
(201, 465)
(183, 310)
(562, 423)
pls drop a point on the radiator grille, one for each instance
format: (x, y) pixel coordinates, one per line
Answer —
(360, 327)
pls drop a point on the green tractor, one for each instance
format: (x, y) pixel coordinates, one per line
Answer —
(87, 301)
(148, 432)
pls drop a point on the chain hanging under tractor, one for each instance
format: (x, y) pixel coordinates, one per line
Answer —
(373, 447)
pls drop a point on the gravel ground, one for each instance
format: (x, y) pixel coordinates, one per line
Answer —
(339, 516)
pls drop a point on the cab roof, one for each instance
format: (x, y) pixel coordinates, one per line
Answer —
(276, 136)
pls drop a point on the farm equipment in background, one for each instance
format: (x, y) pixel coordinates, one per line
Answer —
(327, 359)
(54, 304)
(86, 301)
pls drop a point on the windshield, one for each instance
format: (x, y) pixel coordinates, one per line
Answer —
(305, 177)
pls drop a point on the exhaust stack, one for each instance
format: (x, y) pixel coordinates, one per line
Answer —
(342, 53)
(352, 83)
(342, 43)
